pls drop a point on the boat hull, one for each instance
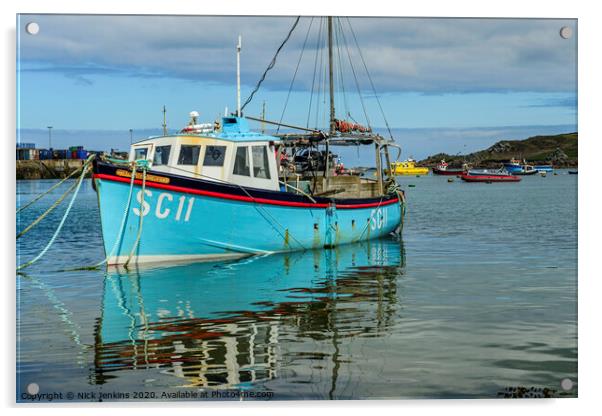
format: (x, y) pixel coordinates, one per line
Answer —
(526, 172)
(513, 167)
(410, 171)
(544, 168)
(208, 221)
(448, 172)
(490, 178)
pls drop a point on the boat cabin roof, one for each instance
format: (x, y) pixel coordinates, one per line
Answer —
(233, 129)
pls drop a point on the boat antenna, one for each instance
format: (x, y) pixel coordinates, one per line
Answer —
(271, 65)
(164, 121)
(238, 47)
(263, 118)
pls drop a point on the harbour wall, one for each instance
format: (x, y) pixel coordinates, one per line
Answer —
(47, 169)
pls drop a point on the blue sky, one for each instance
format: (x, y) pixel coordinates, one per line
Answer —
(102, 75)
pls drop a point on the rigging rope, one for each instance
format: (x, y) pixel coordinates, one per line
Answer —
(357, 85)
(48, 211)
(53, 187)
(137, 241)
(370, 78)
(271, 65)
(313, 82)
(295, 74)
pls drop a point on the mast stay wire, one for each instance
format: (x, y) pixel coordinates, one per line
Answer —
(320, 78)
(342, 90)
(271, 65)
(369, 78)
(356, 80)
(311, 95)
(295, 74)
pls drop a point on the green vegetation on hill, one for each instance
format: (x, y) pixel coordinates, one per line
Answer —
(560, 150)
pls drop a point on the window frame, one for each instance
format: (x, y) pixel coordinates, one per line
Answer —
(248, 160)
(168, 154)
(207, 154)
(147, 147)
(266, 166)
(200, 147)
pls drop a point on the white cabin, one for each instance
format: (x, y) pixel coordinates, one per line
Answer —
(231, 154)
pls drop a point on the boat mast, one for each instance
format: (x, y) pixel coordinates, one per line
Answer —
(238, 47)
(332, 130)
(331, 77)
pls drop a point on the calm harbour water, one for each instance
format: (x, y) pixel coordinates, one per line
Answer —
(479, 295)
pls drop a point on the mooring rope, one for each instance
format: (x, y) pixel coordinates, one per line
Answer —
(48, 211)
(60, 226)
(53, 187)
(135, 246)
(121, 229)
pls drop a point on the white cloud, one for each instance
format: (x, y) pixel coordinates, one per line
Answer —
(425, 55)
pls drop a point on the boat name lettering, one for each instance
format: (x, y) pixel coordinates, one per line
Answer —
(150, 178)
(163, 209)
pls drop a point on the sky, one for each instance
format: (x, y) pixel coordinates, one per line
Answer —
(443, 84)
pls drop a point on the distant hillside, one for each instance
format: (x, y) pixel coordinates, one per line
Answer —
(560, 150)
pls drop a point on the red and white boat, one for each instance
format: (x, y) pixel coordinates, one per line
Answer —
(443, 169)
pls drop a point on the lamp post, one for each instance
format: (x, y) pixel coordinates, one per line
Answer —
(131, 136)
(49, 137)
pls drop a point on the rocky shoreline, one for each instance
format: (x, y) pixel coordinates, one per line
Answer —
(559, 150)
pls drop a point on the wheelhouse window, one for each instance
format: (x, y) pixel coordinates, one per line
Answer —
(241, 162)
(189, 155)
(161, 155)
(261, 166)
(140, 153)
(214, 156)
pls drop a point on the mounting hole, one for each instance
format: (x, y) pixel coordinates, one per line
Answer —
(566, 384)
(566, 32)
(33, 388)
(32, 28)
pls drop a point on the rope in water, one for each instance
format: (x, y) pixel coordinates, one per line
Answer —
(60, 226)
(52, 188)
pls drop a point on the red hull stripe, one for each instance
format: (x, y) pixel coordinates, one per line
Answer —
(240, 197)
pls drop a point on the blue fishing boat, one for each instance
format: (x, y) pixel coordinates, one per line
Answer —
(513, 166)
(219, 190)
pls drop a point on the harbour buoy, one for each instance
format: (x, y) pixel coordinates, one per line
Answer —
(411, 185)
(450, 180)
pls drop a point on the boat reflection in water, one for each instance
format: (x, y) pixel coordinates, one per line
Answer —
(228, 325)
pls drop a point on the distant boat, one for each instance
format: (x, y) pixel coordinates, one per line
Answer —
(572, 172)
(516, 168)
(526, 170)
(408, 167)
(489, 176)
(544, 168)
(513, 166)
(443, 169)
